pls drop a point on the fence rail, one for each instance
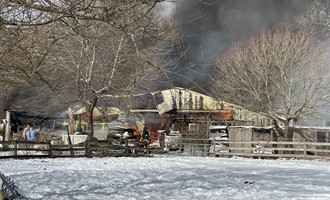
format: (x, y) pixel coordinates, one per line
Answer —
(254, 149)
(186, 146)
(23, 149)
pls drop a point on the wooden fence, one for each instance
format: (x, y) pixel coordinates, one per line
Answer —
(255, 149)
(23, 149)
(187, 146)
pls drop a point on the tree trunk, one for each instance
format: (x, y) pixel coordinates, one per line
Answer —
(71, 122)
(288, 137)
(90, 119)
(286, 130)
(90, 124)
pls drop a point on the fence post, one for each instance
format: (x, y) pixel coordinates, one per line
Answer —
(71, 150)
(88, 151)
(50, 149)
(181, 145)
(206, 148)
(305, 147)
(213, 146)
(126, 146)
(259, 149)
(15, 149)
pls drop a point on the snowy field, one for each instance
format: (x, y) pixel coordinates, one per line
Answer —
(169, 178)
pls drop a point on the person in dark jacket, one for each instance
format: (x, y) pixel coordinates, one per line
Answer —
(145, 140)
(145, 134)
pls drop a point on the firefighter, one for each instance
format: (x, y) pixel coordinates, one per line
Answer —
(145, 140)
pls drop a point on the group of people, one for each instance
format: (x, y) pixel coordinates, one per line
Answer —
(30, 133)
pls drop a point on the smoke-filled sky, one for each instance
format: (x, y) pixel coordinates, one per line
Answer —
(212, 26)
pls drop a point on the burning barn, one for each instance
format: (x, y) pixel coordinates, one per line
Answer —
(190, 112)
(170, 111)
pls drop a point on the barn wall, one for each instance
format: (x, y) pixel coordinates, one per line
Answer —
(240, 134)
(262, 135)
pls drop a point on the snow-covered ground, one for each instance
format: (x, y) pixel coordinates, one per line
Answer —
(172, 178)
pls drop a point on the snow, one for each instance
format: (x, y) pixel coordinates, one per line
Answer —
(169, 177)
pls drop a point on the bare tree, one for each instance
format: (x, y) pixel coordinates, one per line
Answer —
(29, 81)
(281, 73)
(105, 63)
(317, 18)
(85, 51)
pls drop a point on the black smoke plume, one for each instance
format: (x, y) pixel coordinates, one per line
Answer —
(210, 27)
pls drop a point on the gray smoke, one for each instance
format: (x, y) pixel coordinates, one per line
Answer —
(210, 27)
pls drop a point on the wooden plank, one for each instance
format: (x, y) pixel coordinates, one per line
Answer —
(276, 155)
